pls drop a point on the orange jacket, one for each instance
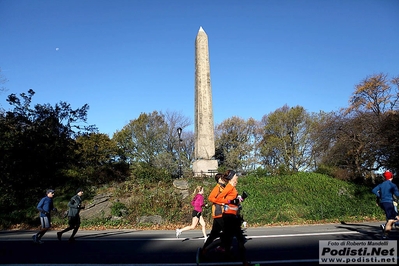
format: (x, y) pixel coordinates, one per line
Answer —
(228, 193)
(217, 209)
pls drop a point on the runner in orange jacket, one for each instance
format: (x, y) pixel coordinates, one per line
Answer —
(217, 211)
(231, 219)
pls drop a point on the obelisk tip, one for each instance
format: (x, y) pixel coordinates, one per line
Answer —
(201, 29)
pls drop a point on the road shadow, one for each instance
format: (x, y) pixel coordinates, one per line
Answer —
(368, 231)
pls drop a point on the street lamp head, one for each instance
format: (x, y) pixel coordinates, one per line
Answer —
(179, 130)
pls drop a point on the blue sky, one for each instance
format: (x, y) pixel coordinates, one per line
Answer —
(126, 57)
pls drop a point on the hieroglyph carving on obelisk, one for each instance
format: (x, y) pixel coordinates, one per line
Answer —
(204, 128)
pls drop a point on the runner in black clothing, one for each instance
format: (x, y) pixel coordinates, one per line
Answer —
(75, 205)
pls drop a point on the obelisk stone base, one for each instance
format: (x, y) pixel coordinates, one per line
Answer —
(202, 167)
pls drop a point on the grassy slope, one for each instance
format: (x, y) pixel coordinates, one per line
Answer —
(306, 198)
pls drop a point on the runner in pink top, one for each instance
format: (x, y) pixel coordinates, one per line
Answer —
(198, 204)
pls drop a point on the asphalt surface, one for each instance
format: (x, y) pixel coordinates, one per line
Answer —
(285, 245)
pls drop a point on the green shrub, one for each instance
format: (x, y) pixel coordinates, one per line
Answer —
(151, 174)
(260, 172)
(118, 209)
(325, 170)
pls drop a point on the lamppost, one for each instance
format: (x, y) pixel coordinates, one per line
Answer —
(293, 150)
(179, 130)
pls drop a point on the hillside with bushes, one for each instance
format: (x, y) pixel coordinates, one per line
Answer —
(300, 198)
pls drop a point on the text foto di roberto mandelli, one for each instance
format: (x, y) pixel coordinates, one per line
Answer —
(358, 243)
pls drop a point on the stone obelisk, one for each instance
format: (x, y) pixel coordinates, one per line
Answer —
(204, 127)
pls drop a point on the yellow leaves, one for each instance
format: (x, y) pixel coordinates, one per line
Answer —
(373, 94)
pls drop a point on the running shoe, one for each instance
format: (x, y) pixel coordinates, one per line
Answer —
(36, 240)
(178, 233)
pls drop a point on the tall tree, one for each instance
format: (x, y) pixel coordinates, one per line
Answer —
(144, 138)
(323, 136)
(374, 94)
(234, 142)
(286, 139)
(364, 140)
(152, 140)
(390, 149)
(180, 150)
(100, 159)
(37, 146)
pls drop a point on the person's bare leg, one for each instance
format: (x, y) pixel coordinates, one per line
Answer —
(202, 222)
(192, 226)
(388, 227)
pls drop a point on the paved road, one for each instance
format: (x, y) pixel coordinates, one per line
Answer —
(287, 245)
